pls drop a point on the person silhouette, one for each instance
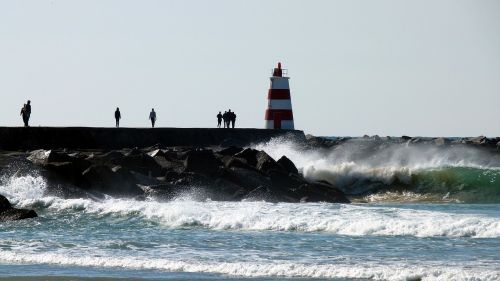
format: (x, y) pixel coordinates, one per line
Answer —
(152, 117)
(118, 116)
(24, 115)
(233, 119)
(219, 119)
(28, 113)
(225, 118)
(229, 117)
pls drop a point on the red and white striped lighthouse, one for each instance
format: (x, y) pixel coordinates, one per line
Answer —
(279, 107)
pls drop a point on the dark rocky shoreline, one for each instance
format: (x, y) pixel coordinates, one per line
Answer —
(223, 173)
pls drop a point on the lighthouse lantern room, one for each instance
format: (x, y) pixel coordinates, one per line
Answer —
(279, 113)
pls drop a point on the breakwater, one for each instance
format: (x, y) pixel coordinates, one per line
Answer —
(20, 138)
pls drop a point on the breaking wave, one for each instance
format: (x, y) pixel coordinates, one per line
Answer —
(428, 173)
(350, 220)
(256, 269)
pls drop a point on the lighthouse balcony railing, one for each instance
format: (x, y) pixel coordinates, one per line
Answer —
(284, 72)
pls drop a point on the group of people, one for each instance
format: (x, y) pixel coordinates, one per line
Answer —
(26, 113)
(152, 117)
(228, 117)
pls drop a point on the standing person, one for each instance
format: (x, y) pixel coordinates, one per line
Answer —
(152, 117)
(224, 117)
(229, 116)
(118, 116)
(233, 119)
(219, 119)
(23, 115)
(27, 112)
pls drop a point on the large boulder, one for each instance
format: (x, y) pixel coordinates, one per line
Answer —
(116, 181)
(266, 163)
(287, 165)
(320, 192)
(8, 213)
(259, 160)
(201, 161)
(298, 188)
(249, 155)
(139, 162)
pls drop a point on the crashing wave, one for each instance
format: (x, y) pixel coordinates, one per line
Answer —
(454, 174)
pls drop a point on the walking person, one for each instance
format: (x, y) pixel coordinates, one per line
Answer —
(152, 117)
(219, 119)
(28, 113)
(24, 116)
(118, 116)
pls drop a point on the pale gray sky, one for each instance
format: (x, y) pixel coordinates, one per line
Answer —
(357, 67)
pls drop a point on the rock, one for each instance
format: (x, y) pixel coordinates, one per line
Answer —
(263, 193)
(248, 179)
(117, 181)
(4, 204)
(156, 153)
(113, 154)
(258, 159)
(46, 156)
(201, 161)
(230, 162)
(266, 163)
(249, 155)
(287, 165)
(8, 213)
(60, 165)
(141, 163)
(498, 145)
(230, 151)
(134, 152)
(190, 179)
(406, 138)
(297, 188)
(227, 191)
(481, 140)
(321, 192)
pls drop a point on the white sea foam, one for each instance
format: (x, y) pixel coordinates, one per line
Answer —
(23, 189)
(261, 269)
(347, 164)
(352, 220)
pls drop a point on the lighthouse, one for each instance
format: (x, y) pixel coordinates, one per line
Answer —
(279, 106)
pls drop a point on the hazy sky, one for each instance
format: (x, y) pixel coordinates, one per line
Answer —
(357, 67)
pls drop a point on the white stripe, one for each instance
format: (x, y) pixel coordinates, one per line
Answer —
(285, 124)
(279, 104)
(279, 83)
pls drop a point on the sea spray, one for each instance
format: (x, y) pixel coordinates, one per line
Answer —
(360, 167)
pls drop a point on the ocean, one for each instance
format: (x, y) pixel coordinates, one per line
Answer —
(437, 219)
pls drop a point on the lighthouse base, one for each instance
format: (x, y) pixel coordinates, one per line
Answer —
(285, 125)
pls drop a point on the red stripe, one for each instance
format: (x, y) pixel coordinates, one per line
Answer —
(285, 114)
(278, 94)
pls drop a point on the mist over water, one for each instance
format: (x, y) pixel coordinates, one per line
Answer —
(187, 239)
